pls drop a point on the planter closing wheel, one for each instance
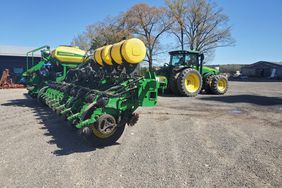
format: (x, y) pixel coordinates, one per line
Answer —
(105, 131)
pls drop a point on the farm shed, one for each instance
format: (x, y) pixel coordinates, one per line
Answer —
(263, 69)
(14, 59)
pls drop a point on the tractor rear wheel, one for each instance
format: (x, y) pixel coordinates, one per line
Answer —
(172, 84)
(219, 85)
(104, 132)
(189, 82)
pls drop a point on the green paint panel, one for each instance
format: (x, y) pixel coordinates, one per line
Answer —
(69, 54)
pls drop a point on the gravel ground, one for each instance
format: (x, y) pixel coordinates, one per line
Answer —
(233, 140)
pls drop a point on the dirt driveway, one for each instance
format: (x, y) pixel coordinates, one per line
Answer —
(208, 141)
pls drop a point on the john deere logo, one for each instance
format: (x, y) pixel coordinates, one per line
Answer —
(68, 54)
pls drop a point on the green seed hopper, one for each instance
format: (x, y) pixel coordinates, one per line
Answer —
(53, 66)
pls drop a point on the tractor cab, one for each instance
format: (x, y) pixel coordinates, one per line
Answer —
(191, 59)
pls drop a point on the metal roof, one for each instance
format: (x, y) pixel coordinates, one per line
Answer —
(6, 50)
(263, 62)
(267, 62)
(277, 63)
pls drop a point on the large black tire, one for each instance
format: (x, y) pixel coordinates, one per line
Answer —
(219, 85)
(189, 82)
(97, 139)
(172, 84)
(207, 84)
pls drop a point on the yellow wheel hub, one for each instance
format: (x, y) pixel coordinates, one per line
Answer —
(192, 83)
(102, 135)
(106, 126)
(221, 84)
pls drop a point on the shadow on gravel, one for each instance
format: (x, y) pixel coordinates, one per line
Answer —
(169, 94)
(252, 99)
(64, 136)
(254, 80)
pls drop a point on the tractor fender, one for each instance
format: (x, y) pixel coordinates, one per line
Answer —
(179, 69)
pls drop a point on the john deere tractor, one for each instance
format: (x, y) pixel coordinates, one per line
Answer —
(185, 75)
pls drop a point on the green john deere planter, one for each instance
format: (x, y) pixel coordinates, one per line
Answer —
(100, 96)
(185, 75)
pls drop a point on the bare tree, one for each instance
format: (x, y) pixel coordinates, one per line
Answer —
(110, 31)
(208, 26)
(81, 41)
(205, 26)
(148, 23)
(177, 11)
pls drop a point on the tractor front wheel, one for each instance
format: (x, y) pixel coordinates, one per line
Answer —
(219, 85)
(189, 82)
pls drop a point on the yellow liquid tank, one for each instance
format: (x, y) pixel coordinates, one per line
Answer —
(133, 51)
(106, 55)
(68, 54)
(97, 56)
